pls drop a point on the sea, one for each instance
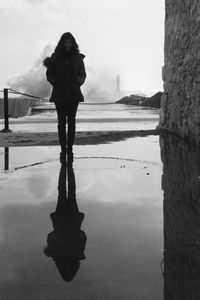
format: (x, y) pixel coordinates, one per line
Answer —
(90, 117)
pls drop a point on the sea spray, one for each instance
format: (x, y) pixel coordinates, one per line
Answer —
(99, 85)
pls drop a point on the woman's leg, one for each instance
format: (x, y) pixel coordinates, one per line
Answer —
(61, 113)
(71, 118)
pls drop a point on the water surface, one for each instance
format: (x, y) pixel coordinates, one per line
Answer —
(134, 227)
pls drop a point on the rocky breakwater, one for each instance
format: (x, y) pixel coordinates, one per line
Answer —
(153, 101)
(180, 109)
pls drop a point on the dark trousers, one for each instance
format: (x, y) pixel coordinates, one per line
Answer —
(66, 113)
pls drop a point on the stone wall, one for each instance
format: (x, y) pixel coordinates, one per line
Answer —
(180, 103)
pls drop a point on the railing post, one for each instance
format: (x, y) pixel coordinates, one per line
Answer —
(6, 121)
(6, 159)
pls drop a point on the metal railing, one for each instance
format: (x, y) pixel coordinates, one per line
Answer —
(5, 97)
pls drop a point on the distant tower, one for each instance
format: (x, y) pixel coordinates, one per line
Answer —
(118, 83)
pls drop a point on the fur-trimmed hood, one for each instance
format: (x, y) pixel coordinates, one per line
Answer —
(50, 59)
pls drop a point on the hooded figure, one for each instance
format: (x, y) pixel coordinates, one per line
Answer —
(66, 73)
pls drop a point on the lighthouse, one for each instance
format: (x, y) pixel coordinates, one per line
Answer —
(118, 83)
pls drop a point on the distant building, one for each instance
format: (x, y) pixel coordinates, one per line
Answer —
(118, 83)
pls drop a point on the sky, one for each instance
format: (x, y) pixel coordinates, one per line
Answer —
(124, 37)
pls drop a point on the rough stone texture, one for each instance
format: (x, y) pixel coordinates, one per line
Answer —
(181, 210)
(180, 104)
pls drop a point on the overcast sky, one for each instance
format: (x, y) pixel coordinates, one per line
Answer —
(123, 37)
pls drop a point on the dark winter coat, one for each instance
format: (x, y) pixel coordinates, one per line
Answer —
(66, 77)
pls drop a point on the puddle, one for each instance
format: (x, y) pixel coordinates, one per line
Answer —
(125, 225)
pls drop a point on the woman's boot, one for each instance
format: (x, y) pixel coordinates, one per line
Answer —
(70, 155)
(63, 157)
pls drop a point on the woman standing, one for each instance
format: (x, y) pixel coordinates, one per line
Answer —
(66, 73)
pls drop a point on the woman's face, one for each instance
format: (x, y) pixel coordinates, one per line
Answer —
(68, 45)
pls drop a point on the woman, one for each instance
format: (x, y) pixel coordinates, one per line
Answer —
(66, 73)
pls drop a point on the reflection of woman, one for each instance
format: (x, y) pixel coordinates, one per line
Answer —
(66, 73)
(66, 243)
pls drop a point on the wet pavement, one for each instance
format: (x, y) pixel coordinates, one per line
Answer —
(122, 224)
(91, 116)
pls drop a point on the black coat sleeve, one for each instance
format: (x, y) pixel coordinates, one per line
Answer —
(81, 72)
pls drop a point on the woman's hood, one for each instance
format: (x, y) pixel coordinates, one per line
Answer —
(49, 59)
